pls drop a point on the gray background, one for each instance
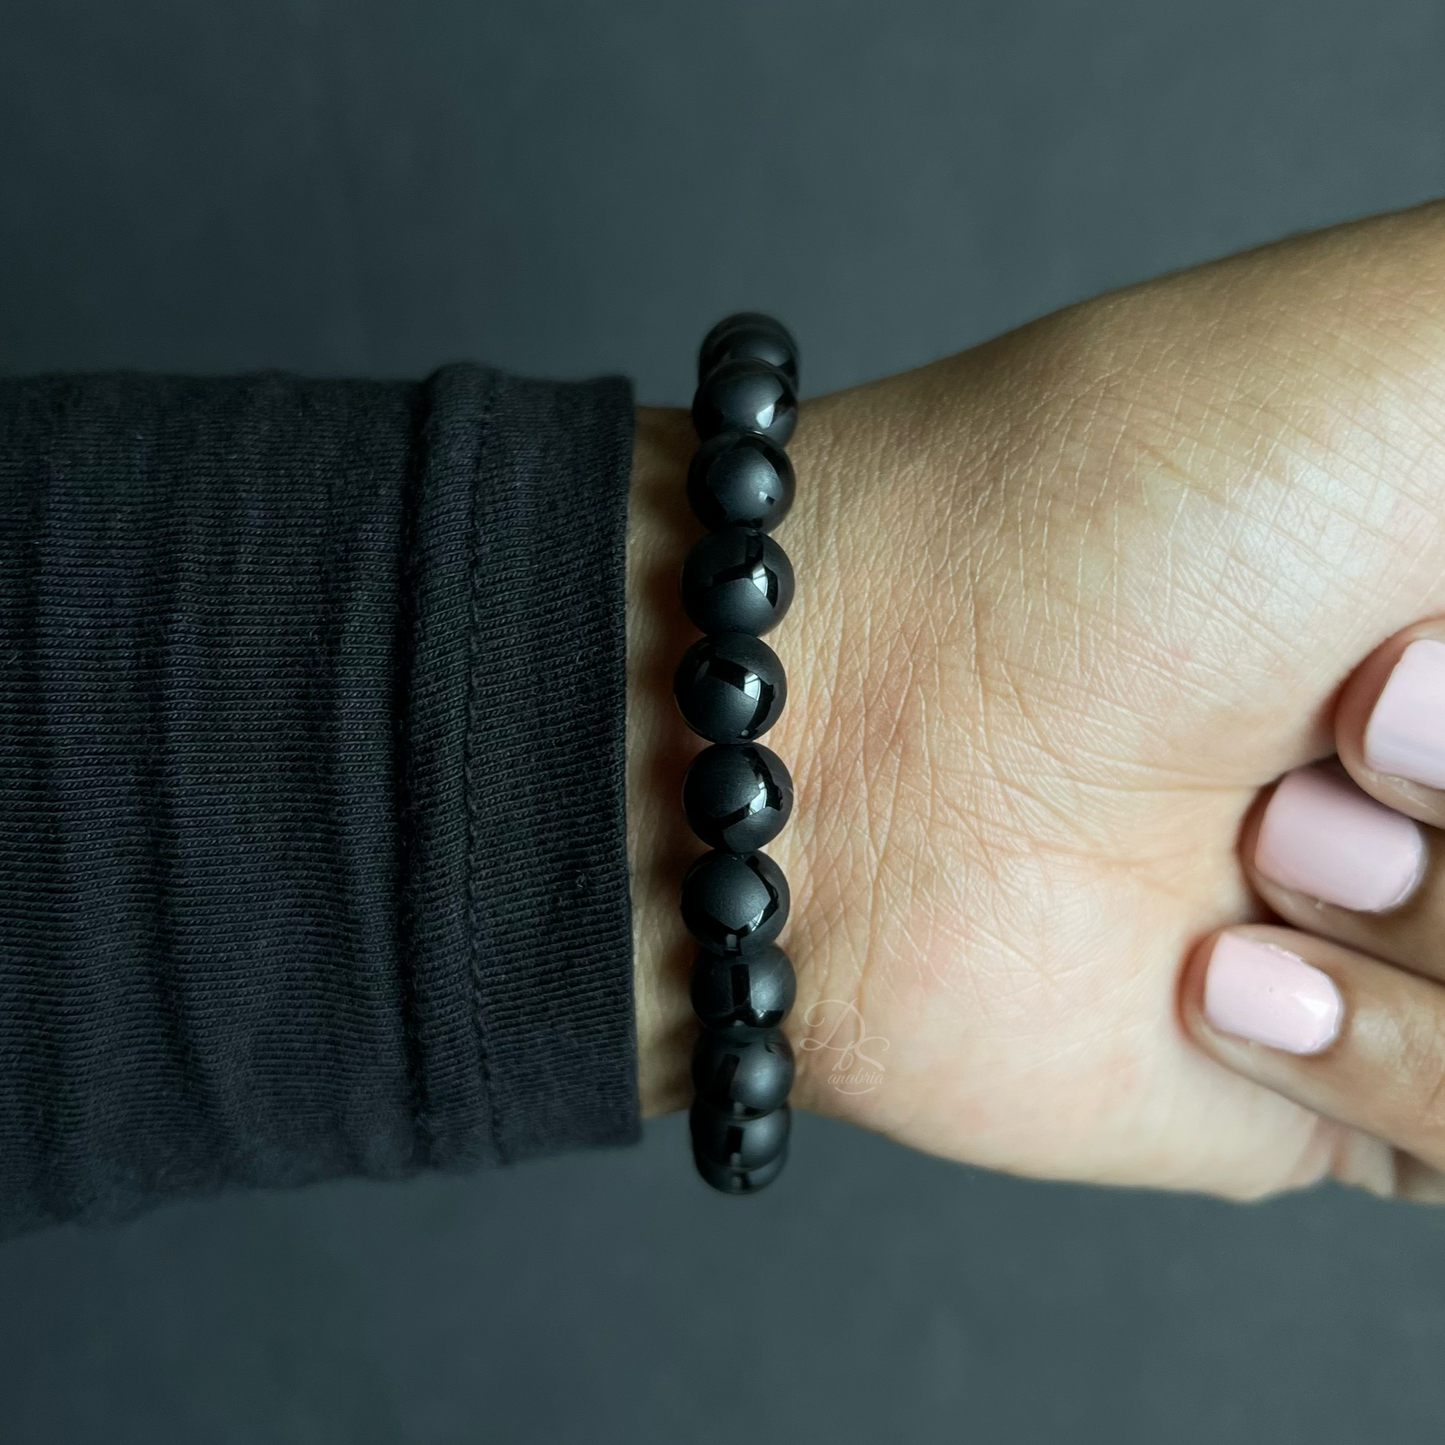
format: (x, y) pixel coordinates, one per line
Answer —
(568, 186)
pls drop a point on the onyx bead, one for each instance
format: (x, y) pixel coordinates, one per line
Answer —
(750, 334)
(742, 1071)
(753, 990)
(736, 581)
(739, 1143)
(730, 688)
(734, 902)
(745, 395)
(737, 796)
(740, 479)
(738, 1181)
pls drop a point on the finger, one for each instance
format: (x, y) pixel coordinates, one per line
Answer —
(1328, 858)
(1342, 1034)
(1390, 722)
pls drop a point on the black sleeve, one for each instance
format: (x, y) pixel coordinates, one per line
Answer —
(312, 855)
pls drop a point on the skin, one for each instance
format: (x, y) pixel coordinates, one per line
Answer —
(1067, 603)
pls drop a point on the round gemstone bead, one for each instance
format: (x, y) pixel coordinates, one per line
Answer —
(736, 580)
(738, 1181)
(749, 334)
(734, 902)
(742, 1071)
(737, 797)
(740, 479)
(739, 1143)
(745, 395)
(753, 990)
(730, 688)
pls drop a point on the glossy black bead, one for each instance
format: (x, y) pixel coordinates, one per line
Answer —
(752, 990)
(742, 1071)
(749, 333)
(736, 580)
(745, 395)
(739, 1143)
(737, 796)
(730, 688)
(740, 479)
(738, 1181)
(734, 902)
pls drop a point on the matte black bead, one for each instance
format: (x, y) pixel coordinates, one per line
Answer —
(739, 1143)
(734, 902)
(742, 1071)
(740, 479)
(739, 1181)
(737, 796)
(730, 688)
(736, 580)
(745, 395)
(749, 333)
(753, 990)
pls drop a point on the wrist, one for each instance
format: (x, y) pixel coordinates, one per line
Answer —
(659, 532)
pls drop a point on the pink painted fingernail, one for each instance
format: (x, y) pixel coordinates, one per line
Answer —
(1257, 991)
(1323, 836)
(1406, 732)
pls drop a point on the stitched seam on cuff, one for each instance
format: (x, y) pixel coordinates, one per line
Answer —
(474, 930)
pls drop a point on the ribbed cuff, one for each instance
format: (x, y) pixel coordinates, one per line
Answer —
(519, 900)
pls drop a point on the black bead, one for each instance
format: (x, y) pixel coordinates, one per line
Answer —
(739, 1181)
(742, 1071)
(730, 688)
(740, 479)
(749, 333)
(734, 902)
(736, 581)
(737, 797)
(753, 990)
(745, 395)
(739, 1143)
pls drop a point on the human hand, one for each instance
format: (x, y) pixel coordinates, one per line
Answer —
(1066, 603)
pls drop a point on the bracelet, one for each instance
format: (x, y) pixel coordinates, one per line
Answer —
(730, 688)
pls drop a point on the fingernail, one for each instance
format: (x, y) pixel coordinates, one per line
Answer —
(1321, 835)
(1257, 991)
(1406, 732)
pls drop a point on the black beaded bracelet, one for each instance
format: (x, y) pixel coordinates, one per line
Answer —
(730, 687)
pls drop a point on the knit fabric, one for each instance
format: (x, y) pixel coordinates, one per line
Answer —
(312, 852)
